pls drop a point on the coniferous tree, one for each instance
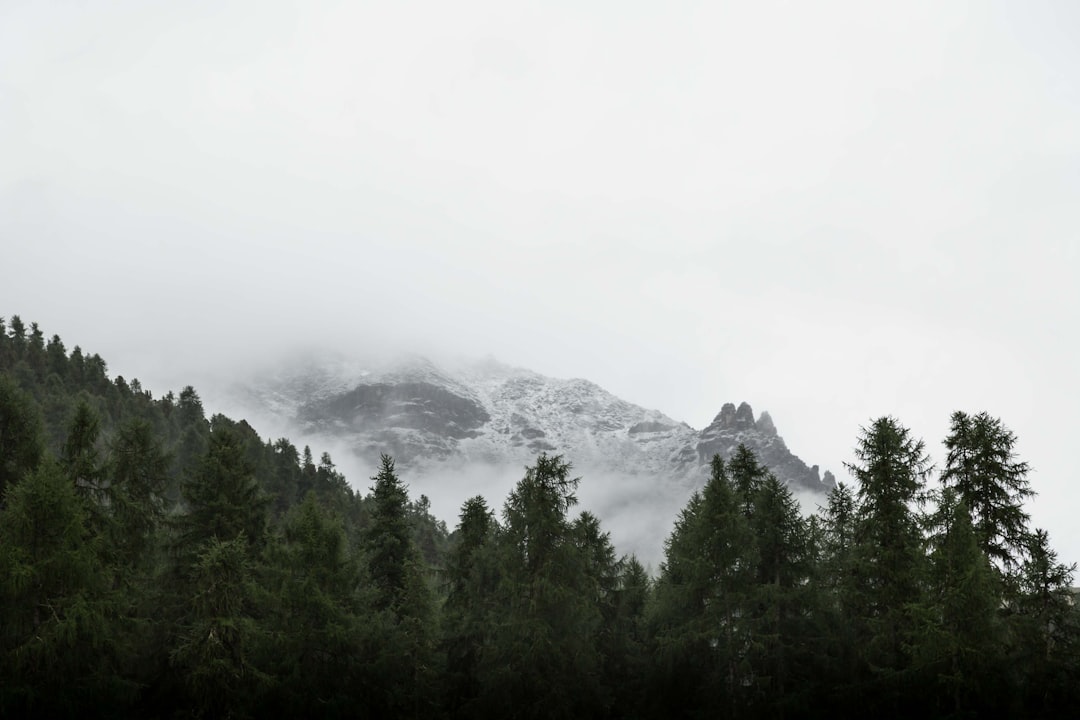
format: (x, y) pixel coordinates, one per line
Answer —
(780, 598)
(320, 634)
(80, 455)
(21, 434)
(982, 467)
(401, 593)
(138, 470)
(747, 475)
(472, 579)
(702, 597)
(959, 641)
(1048, 630)
(57, 625)
(217, 547)
(541, 660)
(890, 469)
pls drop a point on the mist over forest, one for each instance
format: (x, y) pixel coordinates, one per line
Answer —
(858, 217)
(158, 562)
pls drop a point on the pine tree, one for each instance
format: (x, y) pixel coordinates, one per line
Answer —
(58, 619)
(982, 467)
(22, 441)
(401, 593)
(702, 599)
(781, 595)
(223, 498)
(747, 475)
(320, 637)
(891, 469)
(138, 470)
(472, 580)
(959, 639)
(1048, 630)
(541, 660)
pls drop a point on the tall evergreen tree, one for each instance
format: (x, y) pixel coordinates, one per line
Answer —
(472, 576)
(702, 599)
(891, 469)
(982, 468)
(22, 440)
(1048, 630)
(58, 619)
(781, 598)
(402, 594)
(541, 660)
(959, 642)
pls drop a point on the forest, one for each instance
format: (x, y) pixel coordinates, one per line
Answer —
(159, 563)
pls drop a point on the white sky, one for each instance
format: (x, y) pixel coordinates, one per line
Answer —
(831, 210)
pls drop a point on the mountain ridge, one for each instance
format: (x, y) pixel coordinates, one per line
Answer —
(432, 418)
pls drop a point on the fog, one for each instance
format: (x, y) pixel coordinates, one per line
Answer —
(833, 210)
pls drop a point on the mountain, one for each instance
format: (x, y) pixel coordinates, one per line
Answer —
(435, 419)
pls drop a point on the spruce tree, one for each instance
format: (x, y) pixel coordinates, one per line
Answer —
(891, 469)
(703, 596)
(22, 442)
(58, 618)
(959, 638)
(401, 593)
(472, 580)
(542, 660)
(982, 468)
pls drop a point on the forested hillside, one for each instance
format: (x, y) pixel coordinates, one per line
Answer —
(158, 563)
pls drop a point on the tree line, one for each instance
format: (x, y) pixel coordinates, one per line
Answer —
(158, 563)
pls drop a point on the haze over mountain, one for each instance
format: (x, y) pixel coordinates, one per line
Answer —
(469, 426)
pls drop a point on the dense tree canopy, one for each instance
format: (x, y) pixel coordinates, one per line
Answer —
(155, 562)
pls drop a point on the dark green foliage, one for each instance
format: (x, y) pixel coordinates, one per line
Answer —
(540, 659)
(472, 577)
(21, 436)
(981, 466)
(223, 498)
(702, 597)
(959, 636)
(59, 617)
(166, 565)
(322, 635)
(138, 473)
(214, 649)
(887, 556)
(1047, 629)
(391, 556)
(401, 594)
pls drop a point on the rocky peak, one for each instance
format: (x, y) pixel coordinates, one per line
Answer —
(736, 426)
(726, 418)
(744, 417)
(765, 425)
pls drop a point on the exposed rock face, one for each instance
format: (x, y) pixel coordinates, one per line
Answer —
(734, 427)
(427, 417)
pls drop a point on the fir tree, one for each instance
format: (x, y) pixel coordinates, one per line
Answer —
(982, 467)
(891, 469)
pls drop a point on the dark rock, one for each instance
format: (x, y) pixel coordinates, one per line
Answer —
(744, 417)
(648, 427)
(734, 427)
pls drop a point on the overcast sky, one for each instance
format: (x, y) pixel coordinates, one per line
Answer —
(832, 210)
